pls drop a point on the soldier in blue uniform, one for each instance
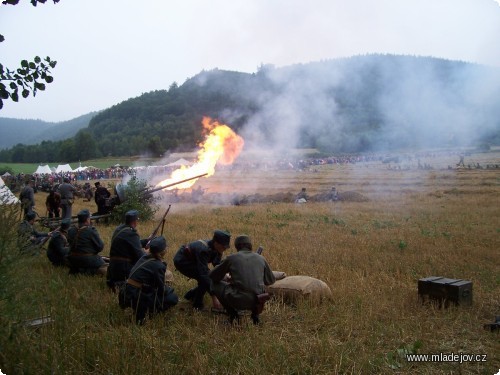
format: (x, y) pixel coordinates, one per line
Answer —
(126, 249)
(192, 260)
(85, 246)
(58, 248)
(145, 290)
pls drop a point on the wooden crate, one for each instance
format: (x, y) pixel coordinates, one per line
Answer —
(445, 290)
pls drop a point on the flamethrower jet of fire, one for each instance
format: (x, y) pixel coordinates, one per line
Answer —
(221, 145)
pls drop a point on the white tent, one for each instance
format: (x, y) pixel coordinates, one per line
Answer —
(43, 169)
(6, 174)
(179, 163)
(64, 168)
(6, 196)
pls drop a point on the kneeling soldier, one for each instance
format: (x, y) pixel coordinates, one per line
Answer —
(126, 249)
(145, 290)
(85, 246)
(58, 248)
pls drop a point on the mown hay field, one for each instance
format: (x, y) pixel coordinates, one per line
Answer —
(415, 223)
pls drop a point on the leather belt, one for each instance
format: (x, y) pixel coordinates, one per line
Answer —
(134, 283)
(81, 255)
(124, 259)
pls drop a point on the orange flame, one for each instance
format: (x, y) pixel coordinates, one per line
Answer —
(221, 145)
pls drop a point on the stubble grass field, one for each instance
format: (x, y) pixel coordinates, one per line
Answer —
(416, 223)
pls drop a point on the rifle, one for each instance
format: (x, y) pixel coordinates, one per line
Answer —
(45, 239)
(155, 231)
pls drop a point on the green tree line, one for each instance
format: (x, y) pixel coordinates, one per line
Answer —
(357, 104)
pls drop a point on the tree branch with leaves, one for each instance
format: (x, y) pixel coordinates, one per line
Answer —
(29, 78)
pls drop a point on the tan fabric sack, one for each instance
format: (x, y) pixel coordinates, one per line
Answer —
(292, 288)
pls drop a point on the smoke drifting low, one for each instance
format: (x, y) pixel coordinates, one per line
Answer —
(375, 103)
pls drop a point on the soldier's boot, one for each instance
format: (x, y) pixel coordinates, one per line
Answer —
(255, 319)
(190, 294)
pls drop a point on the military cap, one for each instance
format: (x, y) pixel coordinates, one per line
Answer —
(97, 184)
(66, 179)
(222, 237)
(241, 240)
(65, 224)
(157, 245)
(30, 216)
(83, 215)
(131, 215)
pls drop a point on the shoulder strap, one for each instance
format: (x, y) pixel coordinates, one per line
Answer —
(203, 242)
(117, 234)
(73, 245)
(149, 260)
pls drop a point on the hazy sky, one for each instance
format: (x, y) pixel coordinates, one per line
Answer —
(110, 50)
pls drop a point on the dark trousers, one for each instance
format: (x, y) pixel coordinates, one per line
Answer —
(54, 212)
(66, 210)
(190, 270)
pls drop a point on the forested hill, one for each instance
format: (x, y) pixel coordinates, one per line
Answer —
(357, 104)
(30, 132)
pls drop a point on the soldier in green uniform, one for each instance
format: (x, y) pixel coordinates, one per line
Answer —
(145, 290)
(85, 246)
(29, 240)
(58, 248)
(249, 273)
(192, 260)
(126, 249)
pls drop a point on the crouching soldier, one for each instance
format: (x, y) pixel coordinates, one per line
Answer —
(249, 273)
(29, 240)
(145, 290)
(85, 246)
(58, 248)
(192, 260)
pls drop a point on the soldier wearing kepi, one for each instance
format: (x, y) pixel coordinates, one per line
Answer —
(249, 273)
(58, 248)
(66, 190)
(192, 260)
(126, 249)
(145, 290)
(85, 246)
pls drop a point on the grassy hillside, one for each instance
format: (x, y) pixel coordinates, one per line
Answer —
(358, 104)
(417, 223)
(29, 132)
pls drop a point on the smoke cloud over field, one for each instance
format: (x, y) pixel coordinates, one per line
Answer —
(375, 103)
